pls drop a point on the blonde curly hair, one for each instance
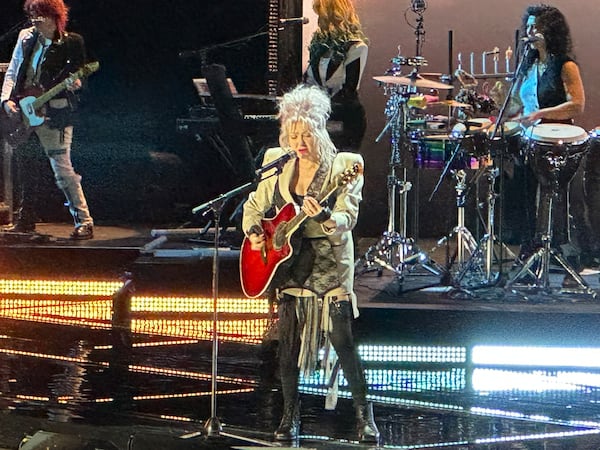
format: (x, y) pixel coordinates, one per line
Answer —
(312, 106)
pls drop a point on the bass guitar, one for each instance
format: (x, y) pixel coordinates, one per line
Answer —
(16, 130)
(257, 268)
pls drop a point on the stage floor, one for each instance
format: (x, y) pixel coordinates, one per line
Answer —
(447, 366)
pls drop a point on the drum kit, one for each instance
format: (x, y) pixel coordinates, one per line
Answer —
(454, 145)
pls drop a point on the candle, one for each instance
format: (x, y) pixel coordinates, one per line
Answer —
(496, 58)
(507, 57)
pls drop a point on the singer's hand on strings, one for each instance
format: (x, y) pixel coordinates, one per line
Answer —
(311, 206)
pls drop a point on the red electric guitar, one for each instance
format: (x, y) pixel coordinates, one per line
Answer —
(257, 268)
(17, 130)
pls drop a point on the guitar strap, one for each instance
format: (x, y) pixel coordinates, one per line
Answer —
(314, 190)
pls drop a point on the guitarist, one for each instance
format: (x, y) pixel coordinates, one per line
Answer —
(45, 55)
(316, 300)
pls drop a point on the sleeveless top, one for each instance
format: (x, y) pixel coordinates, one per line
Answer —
(544, 90)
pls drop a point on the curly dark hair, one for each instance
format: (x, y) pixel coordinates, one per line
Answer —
(553, 25)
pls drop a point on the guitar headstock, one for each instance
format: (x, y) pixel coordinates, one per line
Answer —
(351, 173)
(90, 68)
(85, 70)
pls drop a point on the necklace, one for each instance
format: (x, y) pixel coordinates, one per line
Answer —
(542, 66)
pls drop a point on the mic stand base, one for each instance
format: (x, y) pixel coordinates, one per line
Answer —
(213, 427)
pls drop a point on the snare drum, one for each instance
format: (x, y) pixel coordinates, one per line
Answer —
(507, 141)
(555, 147)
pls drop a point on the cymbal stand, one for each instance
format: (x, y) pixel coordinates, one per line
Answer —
(538, 264)
(394, 251)
(464, 239)
(465, 242)
(488, 242)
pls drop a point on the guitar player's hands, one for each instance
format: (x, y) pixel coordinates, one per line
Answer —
(256, 238)
(312, 208)
(73, 85)
(10, 108)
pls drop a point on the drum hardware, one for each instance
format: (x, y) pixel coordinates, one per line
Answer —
(465, 242)
(458, 135)
(395, 251)
(555, 151)
(476, 263)
(469, 254)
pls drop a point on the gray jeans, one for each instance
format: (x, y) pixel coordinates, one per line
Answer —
(57, 146)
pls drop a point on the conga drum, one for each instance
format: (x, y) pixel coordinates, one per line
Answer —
(554, 151)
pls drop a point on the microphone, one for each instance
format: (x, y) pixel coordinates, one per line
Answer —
(418, 6)
(535, 38)
(299, 20)
(277, 163)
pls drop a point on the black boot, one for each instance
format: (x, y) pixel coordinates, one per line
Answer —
(365, 424)
(289, 428)
(23, 222)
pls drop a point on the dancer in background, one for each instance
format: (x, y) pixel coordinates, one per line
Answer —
(315, 291)
(338, 55)
(45, 55)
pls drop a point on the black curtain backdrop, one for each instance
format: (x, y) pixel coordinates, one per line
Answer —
(136, 167)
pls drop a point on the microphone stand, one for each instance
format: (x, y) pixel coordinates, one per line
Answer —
(213, 427)
(13, 29)
(202, 52)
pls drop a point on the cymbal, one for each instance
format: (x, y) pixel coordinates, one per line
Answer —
(412, 80)
(451, 104)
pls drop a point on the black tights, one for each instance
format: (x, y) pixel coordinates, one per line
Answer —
(341, 339)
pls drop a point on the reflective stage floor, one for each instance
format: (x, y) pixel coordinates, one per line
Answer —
(106, 344)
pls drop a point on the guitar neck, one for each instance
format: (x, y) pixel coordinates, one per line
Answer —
(49, 94)
(297, 220)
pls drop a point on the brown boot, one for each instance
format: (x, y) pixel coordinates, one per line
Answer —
(365, 424)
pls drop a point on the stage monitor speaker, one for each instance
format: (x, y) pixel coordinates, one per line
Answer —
(44, 440)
